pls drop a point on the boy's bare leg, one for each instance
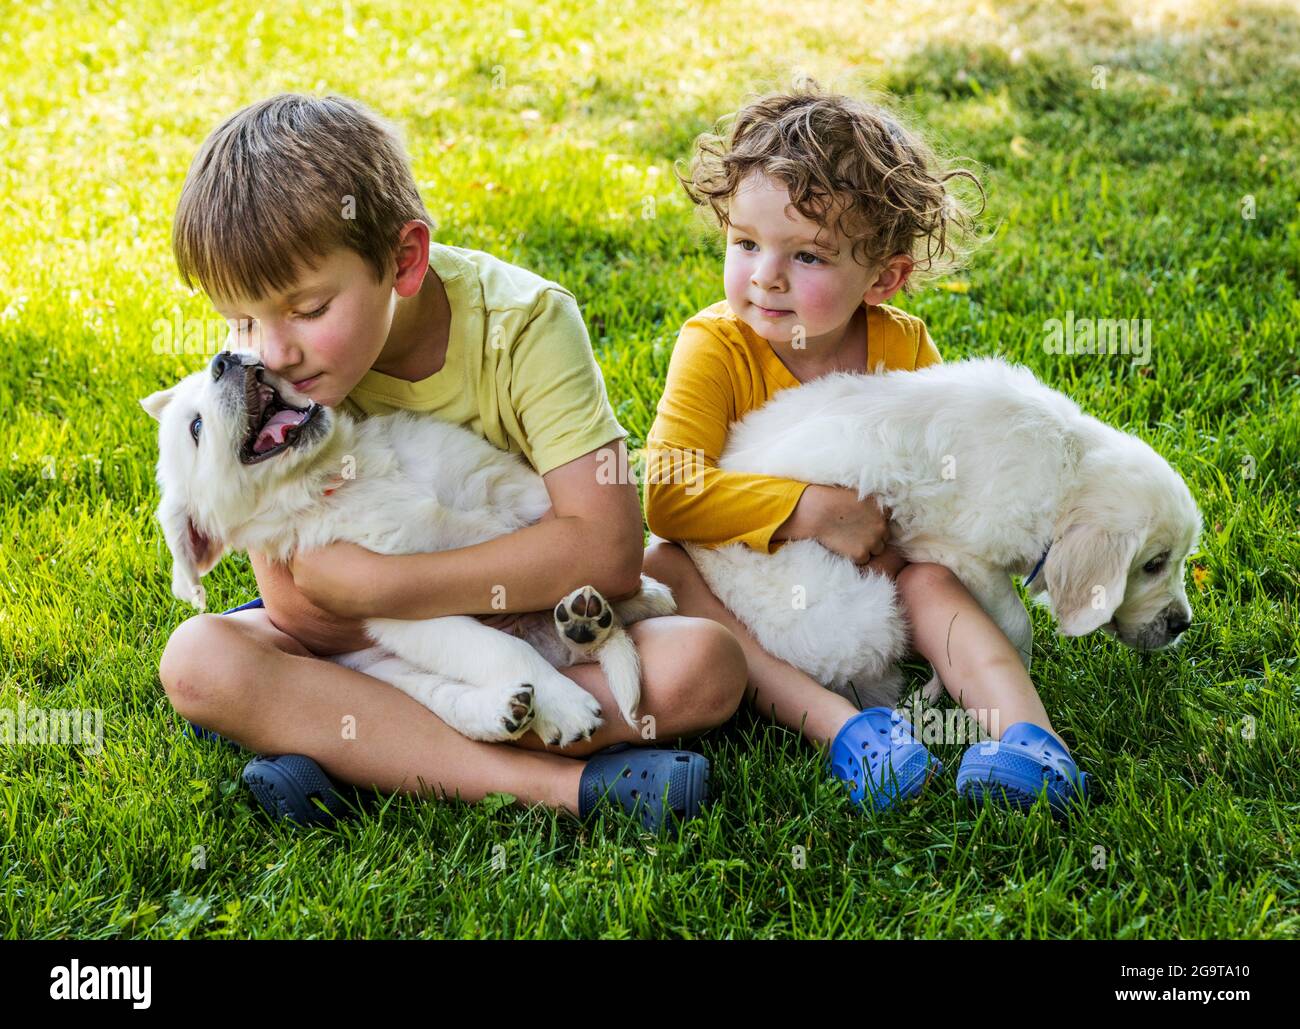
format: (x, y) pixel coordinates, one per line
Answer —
(692, 679)
(979, 666)
(776, 689)
(240, 676)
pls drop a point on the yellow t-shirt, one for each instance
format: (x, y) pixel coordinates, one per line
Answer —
(519, 370)
(720, 370)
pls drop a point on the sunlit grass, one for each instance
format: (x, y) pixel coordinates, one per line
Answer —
(546, 135)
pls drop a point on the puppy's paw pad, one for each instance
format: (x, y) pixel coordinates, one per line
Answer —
(520, 710)
(584, 618)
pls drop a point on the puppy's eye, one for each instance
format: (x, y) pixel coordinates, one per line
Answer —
(1156, 564)
(195, 427)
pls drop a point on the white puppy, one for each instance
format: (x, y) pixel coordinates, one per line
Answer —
(986, 471)
(247, 463)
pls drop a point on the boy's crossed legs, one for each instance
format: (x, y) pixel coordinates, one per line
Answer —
(240, 676)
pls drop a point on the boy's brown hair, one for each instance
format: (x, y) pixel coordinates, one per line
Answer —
(840, 157)
(287, 180)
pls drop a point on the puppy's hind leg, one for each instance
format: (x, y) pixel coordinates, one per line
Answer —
(586, 623)
(492, 713)
(465, 649)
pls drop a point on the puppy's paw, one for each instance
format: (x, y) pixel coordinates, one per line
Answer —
(933, 690)
(564, 711)
(584, 620)
(519, 711)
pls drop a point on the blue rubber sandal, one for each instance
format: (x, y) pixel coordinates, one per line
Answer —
(1018, 768)
(876, 753)
(661, 788)
(288, 787)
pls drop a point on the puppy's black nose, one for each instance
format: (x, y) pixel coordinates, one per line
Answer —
(223, 362)
(1177, 626)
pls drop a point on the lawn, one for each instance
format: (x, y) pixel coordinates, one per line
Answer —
(1137, 168)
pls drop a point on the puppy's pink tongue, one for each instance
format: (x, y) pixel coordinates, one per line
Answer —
(272, 433)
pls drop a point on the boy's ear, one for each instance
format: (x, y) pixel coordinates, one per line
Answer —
(154, 403)
(194, 553)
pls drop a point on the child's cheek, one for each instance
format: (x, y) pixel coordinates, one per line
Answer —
(735, 276)
(329, 346)
(816, 302)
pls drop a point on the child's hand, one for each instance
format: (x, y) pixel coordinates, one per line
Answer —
(888, 564)
(839, 521)
(336, 577)
(320, 631)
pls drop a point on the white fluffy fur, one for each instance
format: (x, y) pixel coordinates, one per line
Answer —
(401, 484)
(982, 467)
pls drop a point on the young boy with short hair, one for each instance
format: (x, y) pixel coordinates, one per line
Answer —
(302, 222)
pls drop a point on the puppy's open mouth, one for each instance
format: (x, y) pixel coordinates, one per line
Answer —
(273, 424)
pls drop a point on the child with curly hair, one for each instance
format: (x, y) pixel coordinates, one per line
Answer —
(830, 207)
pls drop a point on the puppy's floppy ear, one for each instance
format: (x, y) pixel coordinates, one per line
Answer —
(155, 402)
(1086, 572)
(194, 553)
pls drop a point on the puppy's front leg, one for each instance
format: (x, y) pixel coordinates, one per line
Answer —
(994, 591)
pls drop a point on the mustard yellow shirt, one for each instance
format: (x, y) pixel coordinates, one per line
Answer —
(519, 370)
(720, 370)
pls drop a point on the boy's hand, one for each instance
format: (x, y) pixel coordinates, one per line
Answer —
(320, 631)
(337, 577)
(839, 521)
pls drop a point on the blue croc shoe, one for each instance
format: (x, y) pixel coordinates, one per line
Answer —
(661, 788)
(293, 787)
(876, 753)
(1026, 761)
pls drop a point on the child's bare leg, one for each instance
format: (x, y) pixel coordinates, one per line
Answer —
(979, 666)
(692, 679)
(776, 688)
(240, 676)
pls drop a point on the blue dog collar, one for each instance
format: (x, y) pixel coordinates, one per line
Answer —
(1038, 567)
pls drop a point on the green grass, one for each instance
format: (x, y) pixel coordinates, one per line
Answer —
(1114, 203)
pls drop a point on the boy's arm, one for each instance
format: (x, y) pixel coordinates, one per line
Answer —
(593, 536)
(688, 497)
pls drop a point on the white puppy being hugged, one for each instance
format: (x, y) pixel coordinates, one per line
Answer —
(247, 463)
(984, 470)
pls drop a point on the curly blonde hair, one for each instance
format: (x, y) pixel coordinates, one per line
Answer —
(843, 158)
